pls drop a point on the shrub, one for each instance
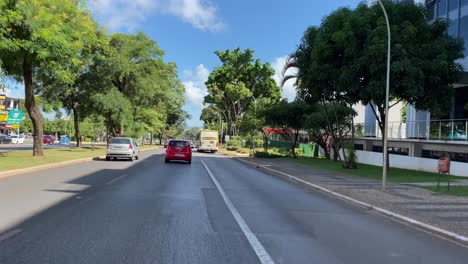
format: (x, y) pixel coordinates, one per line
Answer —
(243, 150)
(232, 148)
(273, 153)
(234, 143)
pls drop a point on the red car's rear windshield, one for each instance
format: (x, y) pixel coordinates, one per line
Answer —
(178, 144)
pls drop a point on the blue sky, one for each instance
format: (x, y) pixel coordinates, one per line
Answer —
(191, 30)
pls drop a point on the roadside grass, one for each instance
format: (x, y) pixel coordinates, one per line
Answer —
(21, 159)
(454, 190)
(395, 175)
(150, 147)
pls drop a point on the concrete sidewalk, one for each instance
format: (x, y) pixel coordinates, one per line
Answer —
(442, 211)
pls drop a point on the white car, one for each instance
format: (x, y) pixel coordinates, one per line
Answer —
(15, 139)
(122, 148)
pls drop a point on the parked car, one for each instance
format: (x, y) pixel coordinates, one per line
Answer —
(64, 139)
(122, 147)
(47, 139)
(17, 139)
(179, 150)
(193, 145)
(4, 139)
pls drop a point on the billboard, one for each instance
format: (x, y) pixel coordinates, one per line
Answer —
(14, 117)
(3, 116)
(2, 102)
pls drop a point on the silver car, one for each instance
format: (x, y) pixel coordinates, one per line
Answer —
(122, 148)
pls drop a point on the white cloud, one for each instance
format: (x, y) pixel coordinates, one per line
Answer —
(195, 89)
(130, 14)
(288, 89)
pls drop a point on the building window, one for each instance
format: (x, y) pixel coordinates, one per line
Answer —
(453, 18)
(442, 9)
(464, 28)
(431, 11)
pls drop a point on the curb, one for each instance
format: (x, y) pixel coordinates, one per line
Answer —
(457, 238)
(9, 173)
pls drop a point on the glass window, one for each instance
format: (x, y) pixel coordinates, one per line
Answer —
(464, 29)
(453, 18)
(120, 141)
(431, 11)
(442, 8)
(453, 5)
(178, 144)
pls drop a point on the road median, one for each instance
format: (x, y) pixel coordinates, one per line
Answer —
(20, 162)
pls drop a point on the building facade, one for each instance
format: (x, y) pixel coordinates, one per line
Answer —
(6, 104)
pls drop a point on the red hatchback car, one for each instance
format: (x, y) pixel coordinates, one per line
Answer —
(48, 139)
(179, 150)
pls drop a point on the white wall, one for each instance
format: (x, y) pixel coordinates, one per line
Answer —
(412, 163)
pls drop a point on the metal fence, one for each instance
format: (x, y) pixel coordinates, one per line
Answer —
(448, 130)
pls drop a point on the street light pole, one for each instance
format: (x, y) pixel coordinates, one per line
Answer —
(387, 95)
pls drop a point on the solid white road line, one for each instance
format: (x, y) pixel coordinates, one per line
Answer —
(253, 240)
(116, 179)
(9, 234)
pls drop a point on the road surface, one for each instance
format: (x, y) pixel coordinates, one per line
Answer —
(227, 212)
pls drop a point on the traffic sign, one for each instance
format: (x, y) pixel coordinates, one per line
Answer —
(14, 117)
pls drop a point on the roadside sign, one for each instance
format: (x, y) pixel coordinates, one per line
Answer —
(8, 126)
(2, 102)
(14, 117)
(3, 116)
(15, 126)
(226, 138)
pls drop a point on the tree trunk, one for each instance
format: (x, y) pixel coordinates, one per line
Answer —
(382, 130)
(293, 147)
(76, 122)
(32, 108)
(121, 131)
(151, 138)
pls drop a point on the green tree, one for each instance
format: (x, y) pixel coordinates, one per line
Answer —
(233, 86)
(344, 60)
(287, 116)
(137, 92)
(320, 126)
(41, 36)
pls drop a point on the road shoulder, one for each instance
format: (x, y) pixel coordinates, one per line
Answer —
(442, 216)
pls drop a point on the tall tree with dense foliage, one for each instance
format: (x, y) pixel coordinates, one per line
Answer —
(287, 116)
(233, 86)
(136, 91)
(45, 35)
(345, 59)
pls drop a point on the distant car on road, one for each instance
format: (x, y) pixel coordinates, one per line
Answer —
(4, 139)
(122, 148)
(179, 150)
(193, 145)
(17, 139)
(48, 139)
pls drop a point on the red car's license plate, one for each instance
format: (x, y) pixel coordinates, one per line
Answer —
(179, 155)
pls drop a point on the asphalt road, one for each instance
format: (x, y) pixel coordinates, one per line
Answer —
(151, 212)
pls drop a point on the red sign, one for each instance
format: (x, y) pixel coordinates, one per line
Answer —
(277, 130)
(8, 126)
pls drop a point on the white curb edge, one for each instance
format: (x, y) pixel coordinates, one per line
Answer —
(445, 233)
